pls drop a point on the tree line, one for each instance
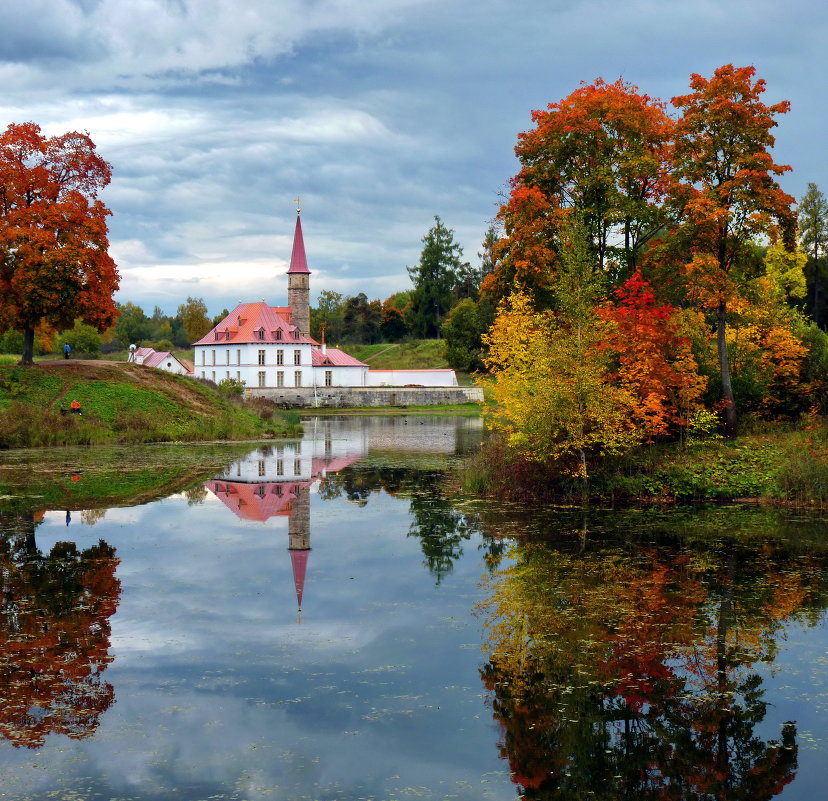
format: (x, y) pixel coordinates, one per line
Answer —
(651, 275)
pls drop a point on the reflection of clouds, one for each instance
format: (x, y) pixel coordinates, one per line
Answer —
(249, 701)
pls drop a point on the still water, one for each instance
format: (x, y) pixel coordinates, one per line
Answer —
(328, 618)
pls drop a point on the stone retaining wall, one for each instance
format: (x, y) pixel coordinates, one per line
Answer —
(350, 397)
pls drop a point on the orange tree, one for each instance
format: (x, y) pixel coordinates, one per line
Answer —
(602, 152)
(54, 638)
(54, 260)
(725, 195)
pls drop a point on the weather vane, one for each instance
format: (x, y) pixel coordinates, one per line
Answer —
(298, 210)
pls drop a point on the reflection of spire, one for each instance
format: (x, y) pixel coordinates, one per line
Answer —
(299, 540)
(299, 561)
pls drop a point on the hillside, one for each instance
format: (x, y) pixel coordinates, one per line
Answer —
(416, 355)
(121, 403)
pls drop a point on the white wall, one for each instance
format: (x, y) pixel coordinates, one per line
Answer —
(401, 378)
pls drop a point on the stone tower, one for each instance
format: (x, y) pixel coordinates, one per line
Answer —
(299, 282)
(299, 538)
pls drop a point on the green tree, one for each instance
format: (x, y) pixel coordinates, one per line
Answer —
(82, 338)
(813, 226)
(361, 320)
(463, 331)
(328, 316)
(194, 318)
(133, 326)
(434, 278)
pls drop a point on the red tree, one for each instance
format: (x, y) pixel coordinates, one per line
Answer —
(54, 264)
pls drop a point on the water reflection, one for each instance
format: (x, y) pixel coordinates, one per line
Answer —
(632, 671)
(54, 634)
(276, 481)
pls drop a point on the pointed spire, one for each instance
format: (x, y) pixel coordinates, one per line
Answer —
(298, 262)
(299, 562)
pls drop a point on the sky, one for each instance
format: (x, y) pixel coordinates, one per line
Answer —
(377, 114)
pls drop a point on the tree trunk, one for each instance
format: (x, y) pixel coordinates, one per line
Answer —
(724, 367)
(28, 347)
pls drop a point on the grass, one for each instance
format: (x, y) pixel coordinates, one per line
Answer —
(782, 467)
(418, 354)
(123, 403)
(85, 478)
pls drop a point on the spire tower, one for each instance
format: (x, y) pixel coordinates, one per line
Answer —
(299, 280)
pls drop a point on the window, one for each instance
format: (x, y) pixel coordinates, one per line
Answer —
(280, 378)
(297, 466)
(228, 375)
(228, 355)
(278, 489)
(213, 373)
(204, 374)
(297, 357)
(203, 354)
(261, 467)
(227, 334)
(214, 355)
(296, 334)
(278, 333)
(262, 378)
(280, 467)
(328, 446)
(328, 378)
(297, 448)
(238, 376)
(217, 335)
(238, 355)
(280, 357)
(297, 378)
(280, 451)
(261, 357)
(260, 333)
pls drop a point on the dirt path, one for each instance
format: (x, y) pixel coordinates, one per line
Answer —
(380, 352)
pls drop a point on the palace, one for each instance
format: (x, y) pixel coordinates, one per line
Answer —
(271, 346)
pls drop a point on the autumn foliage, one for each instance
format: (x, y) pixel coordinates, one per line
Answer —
(673, 213)
(54, 260)
(54, 640)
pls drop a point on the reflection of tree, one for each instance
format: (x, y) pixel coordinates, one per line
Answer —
(54, 636)
(630, 675)
(439, 525)
(92, 516)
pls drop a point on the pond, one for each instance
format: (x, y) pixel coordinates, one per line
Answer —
(330, 618)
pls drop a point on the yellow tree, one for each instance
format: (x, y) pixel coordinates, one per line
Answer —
(551, 371)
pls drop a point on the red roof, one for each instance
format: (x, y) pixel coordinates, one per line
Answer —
(152, 358)
(298, 262)
(335, 358)
(244, 323)
(257, 501)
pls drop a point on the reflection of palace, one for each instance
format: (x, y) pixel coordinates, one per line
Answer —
(275, 481)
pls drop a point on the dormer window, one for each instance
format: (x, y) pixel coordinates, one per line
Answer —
(278, 333)
(227, 334)
(296, 334)
(260, 333)
(217, 335)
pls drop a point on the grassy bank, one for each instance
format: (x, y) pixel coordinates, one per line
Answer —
(110, 475)
(783, 467)
(123, 403)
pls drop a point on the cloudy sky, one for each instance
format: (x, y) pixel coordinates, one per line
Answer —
(379, 114)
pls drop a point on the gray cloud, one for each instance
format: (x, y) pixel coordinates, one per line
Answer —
(215, 115)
